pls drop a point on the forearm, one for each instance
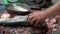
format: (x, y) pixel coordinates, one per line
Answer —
(54, 10)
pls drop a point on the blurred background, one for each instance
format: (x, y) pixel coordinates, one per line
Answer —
(1, 1)
(2, 7)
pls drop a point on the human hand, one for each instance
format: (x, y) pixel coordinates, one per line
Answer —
(36, 17)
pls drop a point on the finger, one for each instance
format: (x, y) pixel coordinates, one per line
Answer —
(30, 14)
(33, 21)
(36, 22)
(30, 17)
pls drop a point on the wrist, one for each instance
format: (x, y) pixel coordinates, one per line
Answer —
(43, 15)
